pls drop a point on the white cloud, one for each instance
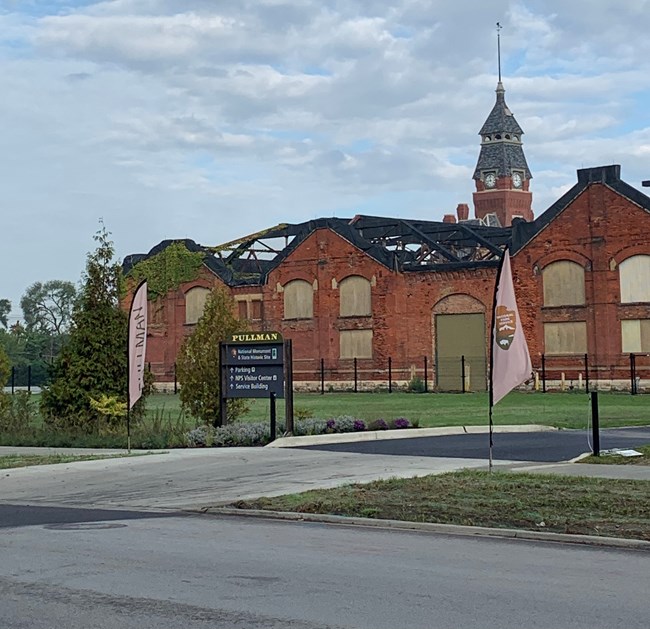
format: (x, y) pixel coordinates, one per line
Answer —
(170, 117)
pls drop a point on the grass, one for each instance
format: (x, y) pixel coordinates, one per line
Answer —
(562, 410)
(578, 505)
(613, 459)
(27, 460)
(166, 425)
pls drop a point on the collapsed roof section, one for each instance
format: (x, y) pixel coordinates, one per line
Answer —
(398, 244)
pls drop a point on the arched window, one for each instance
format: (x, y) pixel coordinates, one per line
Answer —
(634, 276)
(564, 284)
(355, 299)
(195, 299)
(298, 300)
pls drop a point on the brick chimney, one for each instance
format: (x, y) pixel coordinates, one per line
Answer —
(462, 211)
(448, 218)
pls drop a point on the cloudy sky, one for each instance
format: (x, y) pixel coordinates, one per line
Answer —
(210, 119)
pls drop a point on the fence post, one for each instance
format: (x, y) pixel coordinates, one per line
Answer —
(322, 376)
(29, 378)
(595, 422)
(390, 374)
(543, 373)
(587, 373)
(175, 381)
(13, 379)
(462, 372)
(273, 416)
(633, 374)
(426, 375)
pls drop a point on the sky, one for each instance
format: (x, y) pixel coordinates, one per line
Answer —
(211, 120)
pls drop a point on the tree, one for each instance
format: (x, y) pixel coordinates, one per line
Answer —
(198, 361)
(5, 309)
(93, 361)
(5, 370)
(47, 307)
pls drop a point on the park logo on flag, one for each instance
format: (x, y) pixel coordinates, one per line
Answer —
(506, 325)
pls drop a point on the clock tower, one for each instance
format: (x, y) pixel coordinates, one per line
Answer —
(502, 175)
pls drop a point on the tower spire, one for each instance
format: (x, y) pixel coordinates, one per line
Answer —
(499, 48)
(502, 175)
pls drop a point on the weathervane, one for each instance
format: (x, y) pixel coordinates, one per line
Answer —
(499, 27)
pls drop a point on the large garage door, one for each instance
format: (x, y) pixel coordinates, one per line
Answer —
(460, 335)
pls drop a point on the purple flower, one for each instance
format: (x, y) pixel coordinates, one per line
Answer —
(402, 422)
(359, 425)
(331, 424)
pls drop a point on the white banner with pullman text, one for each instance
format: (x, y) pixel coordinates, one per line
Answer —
(137, 343)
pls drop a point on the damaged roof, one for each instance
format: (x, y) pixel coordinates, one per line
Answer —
(398, 244)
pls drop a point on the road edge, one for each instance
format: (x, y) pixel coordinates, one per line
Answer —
(403, 433)
(430, 527)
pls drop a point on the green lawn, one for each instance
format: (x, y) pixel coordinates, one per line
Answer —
(27, 460)
(588, 506)
(563, 410)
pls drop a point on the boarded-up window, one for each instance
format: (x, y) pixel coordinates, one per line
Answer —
(195, 299)
(565, 338)
(298, 300)
(355, 297)
(249, 307)
(355, 343)
(634, 274)
(255, 310)
(635, 335)
(564, 284)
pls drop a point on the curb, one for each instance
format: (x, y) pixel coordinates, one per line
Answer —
(403, 433)
(431, 527)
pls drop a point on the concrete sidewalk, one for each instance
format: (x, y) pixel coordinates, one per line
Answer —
(444, 464)
(630, 472)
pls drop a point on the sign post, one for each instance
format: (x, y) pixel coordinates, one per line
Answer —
(257, 365)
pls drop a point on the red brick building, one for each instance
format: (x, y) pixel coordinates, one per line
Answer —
(390, 299)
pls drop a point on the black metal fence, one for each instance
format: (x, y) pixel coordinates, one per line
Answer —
(421, 374)
(626, 372)
(28, 377)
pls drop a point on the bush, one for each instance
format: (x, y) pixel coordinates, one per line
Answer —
(344, 423)
(378, 424)
(243, 434)
(416, 385)
(16, 412)
(300, 412)
(200, 437)
(400, 422)
(309, 427)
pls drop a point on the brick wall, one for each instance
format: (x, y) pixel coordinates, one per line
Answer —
(597, 230)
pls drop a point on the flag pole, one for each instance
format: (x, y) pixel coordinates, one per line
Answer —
(491, 389)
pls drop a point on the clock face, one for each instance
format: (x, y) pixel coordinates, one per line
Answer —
(516, 180)
(490, 180)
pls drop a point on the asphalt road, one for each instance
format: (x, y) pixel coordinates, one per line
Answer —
(166, 571)
(562, 445)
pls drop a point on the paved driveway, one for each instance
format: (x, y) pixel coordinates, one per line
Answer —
(191, 478)
(562, 445)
